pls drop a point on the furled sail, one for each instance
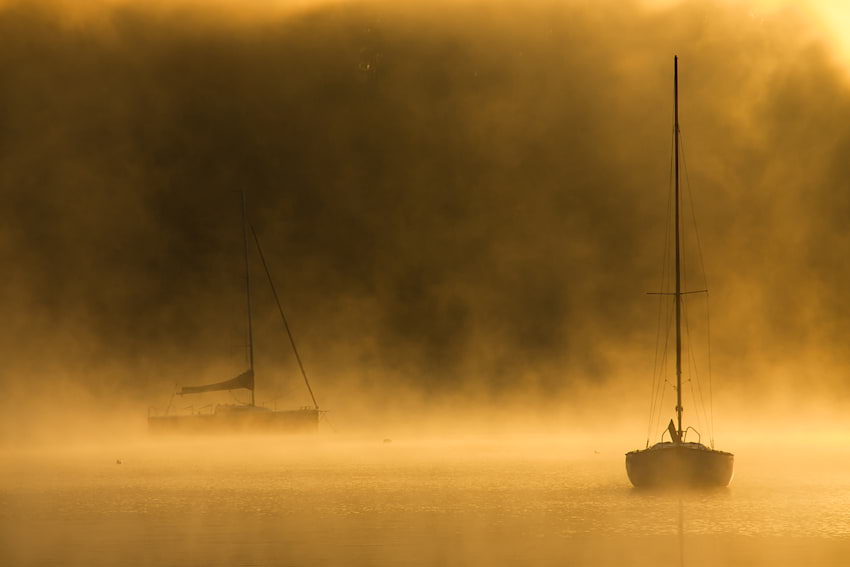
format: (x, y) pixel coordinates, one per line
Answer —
(244, 380)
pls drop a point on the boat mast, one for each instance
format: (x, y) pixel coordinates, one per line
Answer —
(248, 293)
(678, 272)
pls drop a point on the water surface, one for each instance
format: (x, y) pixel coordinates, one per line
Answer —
(334, 502)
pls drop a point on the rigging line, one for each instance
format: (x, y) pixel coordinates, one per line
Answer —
(324, 417)
(658, 372)
(693, 212)
(171, 399)
(283, 316)
(664, 262)
(710, 387)
(661, 381)
(665, 382)
(684, 256)
(667, 262)
(659, 361)
(684, 276)
(664, 367)
(657, 396)
(694, 396)
(705, 282)
(659, 413)
(699, 390)
(237, 400)
(655, 372)
(692, 371)
(699, 403)
(691, 364)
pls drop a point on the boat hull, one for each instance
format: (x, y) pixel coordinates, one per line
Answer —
(279, 422)
(679, 465)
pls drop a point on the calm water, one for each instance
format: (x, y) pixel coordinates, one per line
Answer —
(439, 503)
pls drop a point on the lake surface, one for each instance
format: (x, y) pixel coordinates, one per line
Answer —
(335, 502)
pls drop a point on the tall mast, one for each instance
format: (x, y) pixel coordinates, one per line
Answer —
(678, 269)
(248, 293)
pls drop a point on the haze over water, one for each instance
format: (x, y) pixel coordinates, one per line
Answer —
(337, 501)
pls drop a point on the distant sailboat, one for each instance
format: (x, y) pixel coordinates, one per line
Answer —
(678, 462)
(243, 417)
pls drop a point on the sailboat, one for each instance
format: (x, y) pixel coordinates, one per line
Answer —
(247, 417)
(678, 462)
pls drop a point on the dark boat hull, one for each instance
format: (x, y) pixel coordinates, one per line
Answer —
(280, 422)
(679, 465)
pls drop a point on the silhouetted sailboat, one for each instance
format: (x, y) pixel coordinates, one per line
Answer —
(678, 462)
(243, 417)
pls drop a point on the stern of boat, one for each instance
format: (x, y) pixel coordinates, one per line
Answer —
(679, 465)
